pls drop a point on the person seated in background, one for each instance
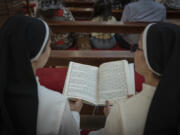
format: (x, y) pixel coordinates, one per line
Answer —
(141, 11)
(174, 4)
(30, 8)
(27, 108)
(119, 4)
(54, 10)
(155, 110)
(102, 13)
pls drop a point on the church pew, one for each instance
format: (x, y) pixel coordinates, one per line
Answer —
(173, 14)
(86, 13)
(79, 3)
(95, 58)
(104, 27)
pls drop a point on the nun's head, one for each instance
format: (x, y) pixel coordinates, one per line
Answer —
(155, 49)
(28, 37)
(43, 51)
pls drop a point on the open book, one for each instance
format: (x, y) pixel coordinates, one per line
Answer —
(111, 81)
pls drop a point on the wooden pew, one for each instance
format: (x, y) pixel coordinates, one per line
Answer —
(104, 27)
(79, 3)
(62, 58)
(86, 13)
(173, 14)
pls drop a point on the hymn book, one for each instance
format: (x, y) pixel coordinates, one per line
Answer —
(94, 85)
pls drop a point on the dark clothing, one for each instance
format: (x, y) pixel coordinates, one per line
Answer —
(21, 40)
(161, 45)
(118, 4)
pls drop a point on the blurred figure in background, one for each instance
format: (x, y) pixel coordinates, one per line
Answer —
(102, 12)
(175, 4)
(54, 10)
(141, 11)
(120, 4)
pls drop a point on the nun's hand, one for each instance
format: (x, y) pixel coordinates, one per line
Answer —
(107, 109)
(76, 105)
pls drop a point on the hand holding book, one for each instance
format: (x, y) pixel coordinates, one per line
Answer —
(76, 105)
(107, 108)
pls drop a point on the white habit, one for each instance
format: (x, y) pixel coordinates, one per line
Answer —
(129, 117)
(54, 115)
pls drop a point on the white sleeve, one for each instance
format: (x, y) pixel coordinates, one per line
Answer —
(129, 117)
(69, 123)
(76, 117)
(113, 122)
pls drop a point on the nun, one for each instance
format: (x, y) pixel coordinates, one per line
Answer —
(26, 107)
(154, 110)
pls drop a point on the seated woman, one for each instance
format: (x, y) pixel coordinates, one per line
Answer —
(27, 108)
(155, 110)
(54, 10)
(102, 12)
(139, 11)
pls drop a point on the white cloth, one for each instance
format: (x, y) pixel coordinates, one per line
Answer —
(129, 117)
(54, 115)
(142, 11)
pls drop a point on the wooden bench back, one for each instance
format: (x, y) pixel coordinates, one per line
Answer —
(95, 58)
(79, 3)
(104, 27)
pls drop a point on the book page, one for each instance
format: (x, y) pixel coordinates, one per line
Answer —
(81, 82)
(132, 89)
(113, 81)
